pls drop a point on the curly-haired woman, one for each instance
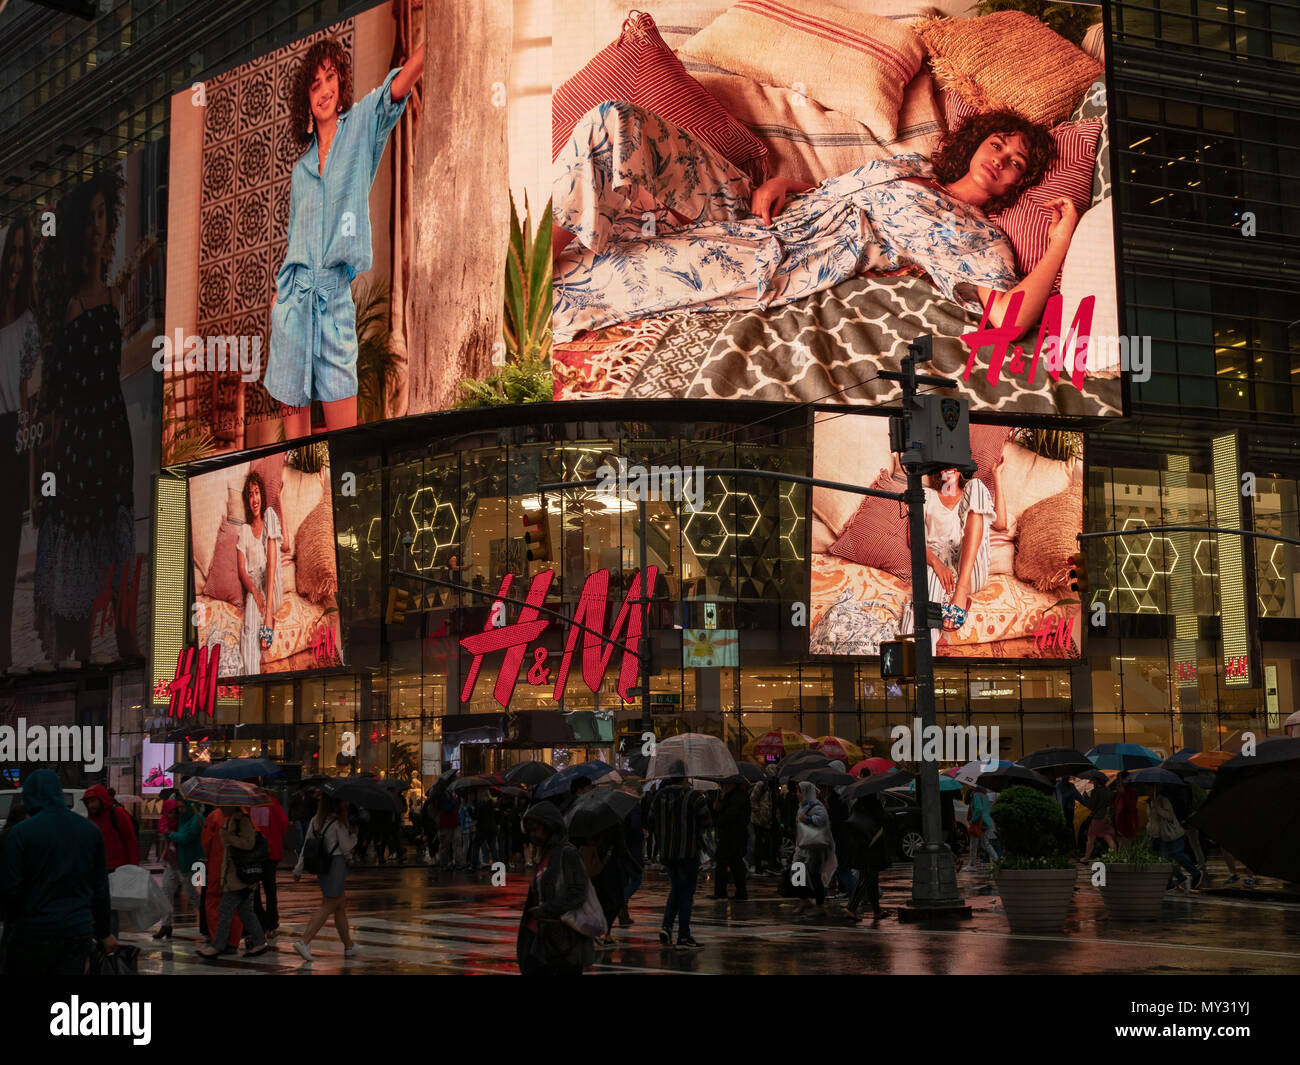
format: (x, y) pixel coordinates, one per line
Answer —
(258, 555)
(86, 538)
(313, 324)
(663, 223)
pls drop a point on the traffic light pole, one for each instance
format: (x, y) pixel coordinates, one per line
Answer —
(934, 873)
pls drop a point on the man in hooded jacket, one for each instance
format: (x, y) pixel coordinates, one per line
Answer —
(121, 847)
(53, 886)
(545, 945)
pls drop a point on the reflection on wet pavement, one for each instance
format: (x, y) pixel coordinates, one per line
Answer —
(415, 920)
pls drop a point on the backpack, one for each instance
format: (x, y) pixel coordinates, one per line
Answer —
(316, 856)
(251, 862)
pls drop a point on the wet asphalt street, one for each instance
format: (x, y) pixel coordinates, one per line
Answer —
(415, 920)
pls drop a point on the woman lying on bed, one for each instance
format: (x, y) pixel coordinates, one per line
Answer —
(649, 220)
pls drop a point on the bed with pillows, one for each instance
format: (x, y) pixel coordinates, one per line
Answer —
(811, 89)
(307, 564)
(861, 562)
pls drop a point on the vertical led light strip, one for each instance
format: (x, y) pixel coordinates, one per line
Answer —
(170, 541)
(1233, 588)
(1179, 575)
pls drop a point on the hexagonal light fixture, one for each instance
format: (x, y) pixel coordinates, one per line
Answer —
(705, 524)
(795, 519)
(443, 514)
(1204, 542)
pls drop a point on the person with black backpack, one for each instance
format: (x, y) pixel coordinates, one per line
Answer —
(245, 859)
(324, 853)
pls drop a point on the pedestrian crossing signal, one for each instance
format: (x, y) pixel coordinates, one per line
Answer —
(898, 659)
(399, 600)
(537, 534)
(1079, 575)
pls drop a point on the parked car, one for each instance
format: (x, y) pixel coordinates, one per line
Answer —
(903, 833)
(71, 796)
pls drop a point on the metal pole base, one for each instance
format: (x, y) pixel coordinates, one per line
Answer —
(934, 887)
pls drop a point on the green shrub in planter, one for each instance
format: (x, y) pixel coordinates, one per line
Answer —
(1032, 830)
(1136, 853)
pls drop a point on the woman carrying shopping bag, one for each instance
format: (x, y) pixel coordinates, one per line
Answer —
(557, 932)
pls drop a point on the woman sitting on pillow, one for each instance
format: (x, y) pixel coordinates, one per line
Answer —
(659, 222)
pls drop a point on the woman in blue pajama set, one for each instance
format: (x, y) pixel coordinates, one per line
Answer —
(313, 324)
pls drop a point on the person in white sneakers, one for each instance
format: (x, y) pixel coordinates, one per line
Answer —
(324, 852)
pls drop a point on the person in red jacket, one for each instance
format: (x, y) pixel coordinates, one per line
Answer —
(214, 852)
(120, 844)
(272, 822)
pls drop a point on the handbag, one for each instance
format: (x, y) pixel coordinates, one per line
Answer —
(807, 836)
(589, 918)
(124, 962)
(250, 862)
(975, 829)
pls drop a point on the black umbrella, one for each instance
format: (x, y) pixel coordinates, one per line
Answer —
(365, 792)
(872, 785)
(598, 810)
(1156, 775)
(511, 790)
(639, 764)
(825, 775)
(439, 786)
(466, 783)
(1254, 810)
(751, 772)
(787, 769)
(1008, 776)
(188, 769)
(1057, 760)
(315, 780)
(530, 773)
(393, 784)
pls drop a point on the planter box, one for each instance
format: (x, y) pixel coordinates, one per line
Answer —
(1135, 892)
(1036, 900)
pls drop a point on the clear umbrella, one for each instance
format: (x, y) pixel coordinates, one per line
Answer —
(691, 754)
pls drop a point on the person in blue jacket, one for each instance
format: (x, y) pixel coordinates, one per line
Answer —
(53, 886)
(313, 352)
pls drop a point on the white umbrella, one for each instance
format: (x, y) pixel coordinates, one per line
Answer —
(969, 774)
(1292, 724)
(691, 754)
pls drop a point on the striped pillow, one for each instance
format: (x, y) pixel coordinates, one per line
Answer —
(1025, 222)
(877, 534)
(638, 68)
(810, 143)
(847, 61)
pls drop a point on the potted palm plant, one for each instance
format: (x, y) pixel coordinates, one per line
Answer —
(1133, 882)
(1036, 875)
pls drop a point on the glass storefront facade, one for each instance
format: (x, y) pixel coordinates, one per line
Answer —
(736, 569)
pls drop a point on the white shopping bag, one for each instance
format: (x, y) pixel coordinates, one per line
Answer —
(128, 885)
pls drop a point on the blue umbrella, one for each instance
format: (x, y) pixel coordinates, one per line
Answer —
(945, 784)
(563, 780)
(242, 769)
(1123, 756)
(1154, 776)
(1185, 755)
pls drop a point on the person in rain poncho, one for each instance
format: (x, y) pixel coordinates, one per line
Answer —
(814, 846)
(53, 886)
(545, 945)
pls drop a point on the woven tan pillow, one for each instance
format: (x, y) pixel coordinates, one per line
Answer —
(1046, 540)
(847, 61)
(810, 143)
(1009, 60)
(317, 577)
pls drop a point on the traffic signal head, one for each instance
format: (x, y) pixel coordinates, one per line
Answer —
(898, 659)
(399, 600)
(1079, 575)
(537, 534)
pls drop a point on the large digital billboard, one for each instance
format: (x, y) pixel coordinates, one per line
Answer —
(997, 545)
(265, 570)
(80, 302)
(339, 243)
(768, 199)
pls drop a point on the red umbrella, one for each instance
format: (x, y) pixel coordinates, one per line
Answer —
(868, 766)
